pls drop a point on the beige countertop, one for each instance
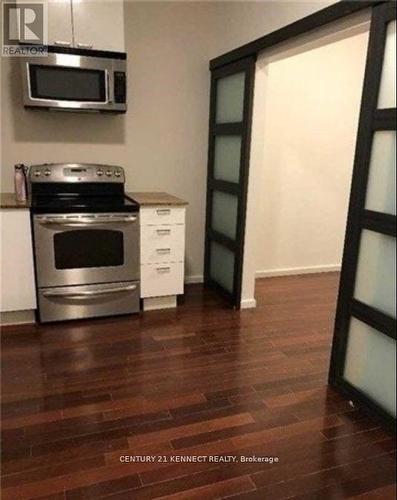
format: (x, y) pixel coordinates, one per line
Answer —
(155, 199)
(8, 200)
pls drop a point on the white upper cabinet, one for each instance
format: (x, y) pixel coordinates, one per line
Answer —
(60, 23)
(60, 31)
(99, 25)
(86, 24)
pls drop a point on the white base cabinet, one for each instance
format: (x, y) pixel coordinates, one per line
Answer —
(162, 255)
(162, 258)
(17, 272)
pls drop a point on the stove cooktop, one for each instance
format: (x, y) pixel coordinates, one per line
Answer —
(83, 204)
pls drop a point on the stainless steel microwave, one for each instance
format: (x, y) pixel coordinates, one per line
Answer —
(76, 80)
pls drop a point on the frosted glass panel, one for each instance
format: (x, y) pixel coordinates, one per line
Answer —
(376, 272)
(230, 98)
(222, 266)
(224, 213)
(381, 191)
(227, 158)
(370, 364)
(387, 93)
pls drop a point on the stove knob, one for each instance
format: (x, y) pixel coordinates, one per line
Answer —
(47, 172)
(99, 172)
(117, 174)
(37, 173)
(109, 173)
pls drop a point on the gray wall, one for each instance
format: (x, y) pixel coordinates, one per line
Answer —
(162, 140)
(309, 143)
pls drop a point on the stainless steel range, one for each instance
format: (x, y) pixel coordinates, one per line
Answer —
(86, 240)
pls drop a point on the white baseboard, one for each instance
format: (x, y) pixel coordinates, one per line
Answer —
(199, 278)
(247, 304)
(298, 270)
(17, 317)
(154, 303)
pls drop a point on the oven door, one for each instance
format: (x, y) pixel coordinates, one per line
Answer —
(77, 249)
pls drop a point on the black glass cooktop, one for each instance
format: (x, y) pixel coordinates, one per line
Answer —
(82, 204)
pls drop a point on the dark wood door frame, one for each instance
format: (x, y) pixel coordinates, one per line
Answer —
(243, 129)
(316, 20)
(359, 218)
(382, 120)
(229, 63)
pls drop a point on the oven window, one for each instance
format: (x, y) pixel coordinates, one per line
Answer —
(88, 248)
(67, 84)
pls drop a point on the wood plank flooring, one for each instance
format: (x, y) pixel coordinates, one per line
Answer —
(202, 381)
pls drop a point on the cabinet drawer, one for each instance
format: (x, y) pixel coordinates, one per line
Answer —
(162, 215)
(85, 301)
(158, 280)
(162, 243)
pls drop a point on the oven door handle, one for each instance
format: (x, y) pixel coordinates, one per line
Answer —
(84, 222)
(89, 293)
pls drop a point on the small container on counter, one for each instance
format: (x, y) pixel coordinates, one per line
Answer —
(20, 182)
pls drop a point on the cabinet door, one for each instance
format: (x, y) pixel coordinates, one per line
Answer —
(60, 23)
(99, 25)
(17, 274)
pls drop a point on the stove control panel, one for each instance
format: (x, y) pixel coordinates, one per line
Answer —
(76, 172)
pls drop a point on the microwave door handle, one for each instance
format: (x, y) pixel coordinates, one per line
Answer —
(89, 293)
(84, 222)
(110, 87)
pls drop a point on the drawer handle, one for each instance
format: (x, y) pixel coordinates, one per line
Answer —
(163, 211)
(163, 231)
(89, 293)
(62, 43)
(85, 221)
(84, 45)
(163, 269)
(163, 250)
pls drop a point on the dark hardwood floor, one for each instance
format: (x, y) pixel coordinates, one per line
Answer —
(199, 381)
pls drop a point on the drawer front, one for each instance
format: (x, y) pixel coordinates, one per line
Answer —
(162, 244)
(88, 301)
(158, 280)
(162, 215)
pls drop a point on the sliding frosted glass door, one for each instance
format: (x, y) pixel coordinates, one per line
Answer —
(364, 349)
(230, 121)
